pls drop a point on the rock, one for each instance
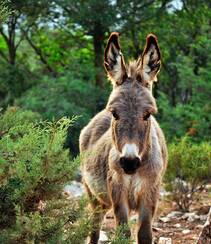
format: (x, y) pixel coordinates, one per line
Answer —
(164, 193)
(73, 190)
(103, 237)
(156, 224)
(208, 186)
(156, 229)
(205, 235)
(199, 226)
(177, 225)
(203, 217)
(185, 232)
(164, 240)
(191, 217)
(165, 219)
(174, 214)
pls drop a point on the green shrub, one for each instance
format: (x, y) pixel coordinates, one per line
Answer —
(14, 80)
(189, 170)
(34, 166)
(65, 96)
(122, 235)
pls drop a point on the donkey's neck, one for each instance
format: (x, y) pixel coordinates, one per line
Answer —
(148, 147)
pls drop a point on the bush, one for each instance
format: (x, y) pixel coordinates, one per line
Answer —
(33, 169)
(189, 170)
(65, 96)
(14, 80)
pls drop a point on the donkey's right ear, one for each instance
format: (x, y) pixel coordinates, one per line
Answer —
(114, 61)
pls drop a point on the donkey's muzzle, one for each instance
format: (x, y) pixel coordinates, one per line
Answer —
(130, 165)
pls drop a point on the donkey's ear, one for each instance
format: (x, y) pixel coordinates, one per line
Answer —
(151, 60)
(114, 60)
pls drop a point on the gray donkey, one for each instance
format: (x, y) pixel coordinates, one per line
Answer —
(123, 149)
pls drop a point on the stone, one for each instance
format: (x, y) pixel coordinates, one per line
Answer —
(174, 214)
(165, 219)
(191, 217)
(203, 217)
(103, 237)
(164, 240)
(199, 226)
(205, 235)
(164, 193)
(73, 190)
(177, 225)
(185, 232)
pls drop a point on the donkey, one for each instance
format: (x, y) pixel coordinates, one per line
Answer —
(124, 149)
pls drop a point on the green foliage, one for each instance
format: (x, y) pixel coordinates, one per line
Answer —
(122, 235)
(54, 37)
(13, 82)
(34, 166)
(4, 10)
(188, 170)
(51, 55)
(64, 96)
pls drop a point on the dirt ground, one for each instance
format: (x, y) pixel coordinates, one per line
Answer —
(181, 227)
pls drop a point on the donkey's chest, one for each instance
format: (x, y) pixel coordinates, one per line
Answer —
(133, 187)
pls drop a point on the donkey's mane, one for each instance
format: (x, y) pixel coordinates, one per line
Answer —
(132, 69)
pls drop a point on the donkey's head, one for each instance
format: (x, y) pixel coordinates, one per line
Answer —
(131, 102)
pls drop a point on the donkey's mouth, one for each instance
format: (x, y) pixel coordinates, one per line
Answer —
(130, 165)
(129, 172)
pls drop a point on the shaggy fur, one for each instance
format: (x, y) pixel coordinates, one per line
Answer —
(127, 119)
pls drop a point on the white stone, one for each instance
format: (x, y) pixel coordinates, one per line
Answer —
(177, 225)
(185, 232)
(165, 219)
(203, 217)
(174, 214)
(164, 193)
(164, 240)
(73, 190)
(190, 217)
(199, 227)
(103, 237)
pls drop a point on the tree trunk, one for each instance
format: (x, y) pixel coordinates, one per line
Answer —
(205, 235)
(12, 53)
(135, 40)
(98, 38)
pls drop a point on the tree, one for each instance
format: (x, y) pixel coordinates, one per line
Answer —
(21, 18)
(95, 18)
(134, 16)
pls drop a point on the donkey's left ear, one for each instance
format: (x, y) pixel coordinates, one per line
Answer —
(114, 60)
(151, 60)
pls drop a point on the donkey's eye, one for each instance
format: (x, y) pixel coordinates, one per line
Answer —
(115, 115)
(146, 116)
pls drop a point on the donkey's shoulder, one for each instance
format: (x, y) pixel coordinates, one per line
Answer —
(97, 126)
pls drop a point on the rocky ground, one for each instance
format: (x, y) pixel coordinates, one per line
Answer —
(170, 225)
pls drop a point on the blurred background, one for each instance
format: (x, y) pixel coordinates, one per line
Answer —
(51, 58)
(51, 66)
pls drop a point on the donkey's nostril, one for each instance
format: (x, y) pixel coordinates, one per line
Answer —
(130, 165)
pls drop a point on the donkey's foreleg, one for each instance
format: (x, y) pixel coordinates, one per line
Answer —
(120, 208)
(96, 224)
(145, 226)
(147, 209)
(98, 213)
